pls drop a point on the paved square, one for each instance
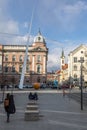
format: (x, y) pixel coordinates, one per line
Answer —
(56, 113)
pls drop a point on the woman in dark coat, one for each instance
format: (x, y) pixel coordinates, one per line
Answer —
(6, 105)
(9, 105)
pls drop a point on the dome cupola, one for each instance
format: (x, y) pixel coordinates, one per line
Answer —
(39, 38)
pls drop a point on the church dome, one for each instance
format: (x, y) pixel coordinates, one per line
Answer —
(39, 38)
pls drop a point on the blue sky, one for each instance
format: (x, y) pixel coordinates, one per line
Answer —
(63, 23)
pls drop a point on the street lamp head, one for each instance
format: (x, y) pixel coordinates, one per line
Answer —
(81, 61)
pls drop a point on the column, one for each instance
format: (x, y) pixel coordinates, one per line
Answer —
(44, 64)
(33, 63)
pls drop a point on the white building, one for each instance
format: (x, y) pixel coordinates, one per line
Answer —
(74, 64)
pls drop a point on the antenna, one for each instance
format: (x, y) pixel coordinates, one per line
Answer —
(26, 53)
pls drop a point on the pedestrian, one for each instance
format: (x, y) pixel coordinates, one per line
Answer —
(63, 92)
(9, 105)
(12, 108)
(6, 105)
(30, 96)
(33, 96)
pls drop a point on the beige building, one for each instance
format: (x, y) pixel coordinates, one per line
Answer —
(74, 64)
(12, 59)
(71, 72)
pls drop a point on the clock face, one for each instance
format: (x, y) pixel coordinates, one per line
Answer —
(39, 38)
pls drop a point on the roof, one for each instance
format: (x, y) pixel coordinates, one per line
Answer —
(78, 48)
(65, 66)
(39, 38)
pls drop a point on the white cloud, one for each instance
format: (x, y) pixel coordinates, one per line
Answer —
(59, 14)
(64, 14)
(54, 58)
(69, 14)
(7, 24)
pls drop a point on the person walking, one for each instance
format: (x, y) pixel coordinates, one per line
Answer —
(9, 105)
(12, 108)
(64, 92)
(6, 105)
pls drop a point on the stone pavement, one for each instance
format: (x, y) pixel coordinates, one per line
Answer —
(56, 113)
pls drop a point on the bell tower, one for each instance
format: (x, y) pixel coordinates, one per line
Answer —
(62, 59)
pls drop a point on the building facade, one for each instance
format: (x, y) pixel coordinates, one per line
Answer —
(74, 65)
(12, 59)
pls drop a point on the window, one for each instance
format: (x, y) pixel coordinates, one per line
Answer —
(38, 68)
(75, 59)
(75, 68)
(62, 61)
(38, 79)
(6, 58)
(75, 77)
(28, 58)
(27, 68)
(82, 58)
(13, 58)
(13, 68)
(81, 51)
(20, 68)
(6, 68)
(20, 58)
(38, 58)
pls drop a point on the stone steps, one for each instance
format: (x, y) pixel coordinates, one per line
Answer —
(32, 107)
(31, 115)
(32, 111)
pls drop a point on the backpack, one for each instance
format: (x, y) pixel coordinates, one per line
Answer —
(6, 102)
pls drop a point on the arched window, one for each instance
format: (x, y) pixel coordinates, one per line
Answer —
(38, 79)
(13, 68)
(6, 58)
(75, 68)
(38, 68)
(13, 58)
(38, 58)
(20, 68)
(27, 68)
(20, 58)
(6, 68)
(75, 77)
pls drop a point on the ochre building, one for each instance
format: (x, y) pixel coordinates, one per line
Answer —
(12, 59)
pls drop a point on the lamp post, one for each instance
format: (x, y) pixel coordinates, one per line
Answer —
(81, 87)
